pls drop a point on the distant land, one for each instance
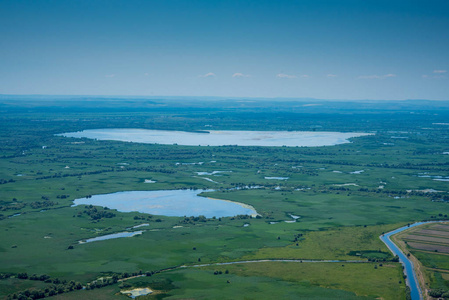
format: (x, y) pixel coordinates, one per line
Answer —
(294, 104)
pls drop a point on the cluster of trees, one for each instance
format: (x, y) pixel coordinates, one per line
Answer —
(432, 196)
(439, 293)
(147, 169)
(439, 198)
(34, 205)
(297, 237)
(143, 217)
(220, 272)
(427, 166)
(371, 259)
(14, 206)
(241, 217)
(96, 214)
(125, 275)
(60, 175)
(42, 204)
(56, 286)
(3, 181)
(44, 277)
(364, 254)
(102, 282)
(193, 220)
(304, 171)
(439, 216)
(51, 290)
(6, 275)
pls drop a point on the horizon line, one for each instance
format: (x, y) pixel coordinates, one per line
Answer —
(212, 97)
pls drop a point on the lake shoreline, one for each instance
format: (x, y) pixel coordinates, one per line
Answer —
(220, 137)
(171, 203)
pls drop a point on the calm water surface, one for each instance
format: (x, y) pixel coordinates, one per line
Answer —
(111, 236)
(175, 203)
(219, 138)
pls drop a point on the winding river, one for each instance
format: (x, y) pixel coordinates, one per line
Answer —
(409, 270)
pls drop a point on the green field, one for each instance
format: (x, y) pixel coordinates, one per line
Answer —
(341, 213)
(280, 280)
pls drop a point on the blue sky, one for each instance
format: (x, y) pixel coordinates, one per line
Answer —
(321, 49)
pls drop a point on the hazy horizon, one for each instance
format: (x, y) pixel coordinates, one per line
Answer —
(206, 97)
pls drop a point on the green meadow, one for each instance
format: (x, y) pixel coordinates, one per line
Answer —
(279, 280)
(343, 196)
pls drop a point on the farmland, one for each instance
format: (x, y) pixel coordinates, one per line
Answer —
(428, 244)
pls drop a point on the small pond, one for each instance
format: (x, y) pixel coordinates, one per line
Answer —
(111, 236)
(174, 203)
(219, 138)
(137, 292)
(277, 178)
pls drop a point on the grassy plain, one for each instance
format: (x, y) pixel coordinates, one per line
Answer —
(280, 280)
(342, 213)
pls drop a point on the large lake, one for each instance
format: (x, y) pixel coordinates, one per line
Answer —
(177, 203)
(219, 138)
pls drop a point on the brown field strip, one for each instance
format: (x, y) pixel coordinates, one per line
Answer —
(446, 272)
(427, 239)
(429, 247)
(439, 227)
(433, 233)
(432, 252)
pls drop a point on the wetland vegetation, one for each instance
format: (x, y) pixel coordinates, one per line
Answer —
(343, 197)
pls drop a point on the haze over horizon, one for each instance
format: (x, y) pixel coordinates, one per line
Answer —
(352, 50)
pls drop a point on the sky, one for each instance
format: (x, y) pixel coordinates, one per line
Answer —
(329, 49)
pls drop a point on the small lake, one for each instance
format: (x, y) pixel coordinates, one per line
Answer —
(174, 203)
(219, 138)
(111, 236)
(137, 292)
